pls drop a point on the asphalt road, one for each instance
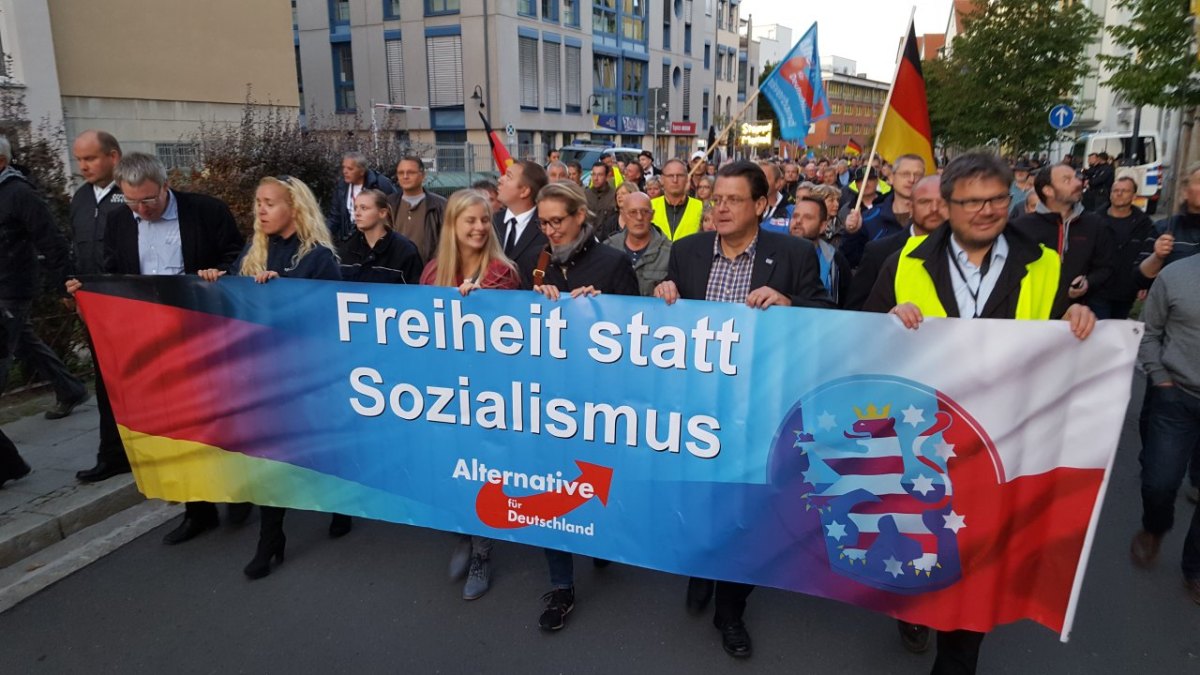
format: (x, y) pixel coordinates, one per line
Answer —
(379, 601)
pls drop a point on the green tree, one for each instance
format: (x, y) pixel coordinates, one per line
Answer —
(1014, 60)
(1159, 67)
(765, 111)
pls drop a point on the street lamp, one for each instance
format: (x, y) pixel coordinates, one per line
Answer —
(478, 97)
(593, 103)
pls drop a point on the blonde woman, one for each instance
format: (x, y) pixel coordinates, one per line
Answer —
(290, 240)
(469, 257)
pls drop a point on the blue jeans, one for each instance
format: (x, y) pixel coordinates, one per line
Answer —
(562, 568)
(1173, 424)
(1110, 309)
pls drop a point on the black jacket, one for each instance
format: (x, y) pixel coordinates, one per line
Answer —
(208, 236)
(88, 222)
(341, 225)
(1088, 250)
(319, 263)
(529, 245)
(27, 228)
(593, 264)
(1001, 304)
(874, 256)
(1126, 244)
(393, 260)
(786, 264)
(879, 221)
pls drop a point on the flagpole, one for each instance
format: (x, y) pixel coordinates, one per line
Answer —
(887, 104)
(728, 127)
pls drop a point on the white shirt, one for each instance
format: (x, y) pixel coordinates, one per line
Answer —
(100, 192)
(352, 191)
(159, 247)
(972, 287)
(522, 221)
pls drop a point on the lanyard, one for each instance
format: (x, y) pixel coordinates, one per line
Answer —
(983, 271)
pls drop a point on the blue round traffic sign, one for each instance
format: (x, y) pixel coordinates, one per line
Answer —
(1061, 116)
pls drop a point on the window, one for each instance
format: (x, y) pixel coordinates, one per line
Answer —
(527, 8)
(704, 111)
(550, 10)
(604, 81)
(182, 156)
(604, 17)
(667, 25)
(708, 6)
(339, 12)
(552, 62)
(435, 7)
(687, 38)
(633, 88)
(343, 78)
(572, 12)
(687, 94)
(721, 14)
(443, 53)
(574, 79)
(707, 55)
(395, 71)
(451, 150)
(633, 21)
(391, 9)
(528, 50)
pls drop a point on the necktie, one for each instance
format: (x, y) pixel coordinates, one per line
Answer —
(510, 239)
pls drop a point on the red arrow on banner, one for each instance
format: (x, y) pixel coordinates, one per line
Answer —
(494, 507)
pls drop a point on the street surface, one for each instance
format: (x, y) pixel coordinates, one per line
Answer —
(379, 601)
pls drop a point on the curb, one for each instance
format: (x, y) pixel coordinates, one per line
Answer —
(62, 513)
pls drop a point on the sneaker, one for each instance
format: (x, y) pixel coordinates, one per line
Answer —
(63, 408)
(460, 559)
(559, 603)
(479, 578)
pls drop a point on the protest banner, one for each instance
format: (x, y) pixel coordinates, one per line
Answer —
(950, 476)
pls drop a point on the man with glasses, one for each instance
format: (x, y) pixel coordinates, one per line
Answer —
(417, 214)
(675, 213)
(1060, 223)
(739, 262)
(973, 266)
(647, 248)
(165, 232)
(886, 216)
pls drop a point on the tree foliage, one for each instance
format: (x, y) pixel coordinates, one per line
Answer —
(1159, 68)
(1014, 60)
(766, 112)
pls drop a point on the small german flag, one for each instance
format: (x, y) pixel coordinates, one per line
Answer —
(853, 148)
(906, 128)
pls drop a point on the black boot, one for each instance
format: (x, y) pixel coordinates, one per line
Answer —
(270, 543)
(340, 525)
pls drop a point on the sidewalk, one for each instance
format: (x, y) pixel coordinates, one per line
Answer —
(49, 505)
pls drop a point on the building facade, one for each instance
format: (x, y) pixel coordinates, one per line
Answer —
(855, 104)
(151, 78)
(628, 73)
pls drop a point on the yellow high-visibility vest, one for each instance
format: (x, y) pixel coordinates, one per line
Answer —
(689, 223)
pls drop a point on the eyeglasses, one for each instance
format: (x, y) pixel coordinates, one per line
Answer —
(638, 213)
(147, 202)
(731, 202)
(674, 176)
(976, 205)
(556, 223)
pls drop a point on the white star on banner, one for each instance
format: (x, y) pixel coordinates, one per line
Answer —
(923, 484)
(826, 421)
(893, 567)
(913, 415)
(944, 450)
(954, 521)
(836, 530)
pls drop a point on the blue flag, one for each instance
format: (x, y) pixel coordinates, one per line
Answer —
(795, 89)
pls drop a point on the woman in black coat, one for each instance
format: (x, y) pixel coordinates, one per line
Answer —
(374, 253)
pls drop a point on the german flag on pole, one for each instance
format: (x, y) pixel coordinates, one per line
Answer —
(499, 152)
(853, 148)
(906, 127)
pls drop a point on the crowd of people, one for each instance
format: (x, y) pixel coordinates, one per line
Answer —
(980, 237)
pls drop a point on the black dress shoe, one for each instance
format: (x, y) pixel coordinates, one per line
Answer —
(734, 638)
(340, 525)
(699, 592)
(102, 471)
(63, 408)
(270, 548)
(189, 529)
(237, 513)
(21, 471)
(915, 638)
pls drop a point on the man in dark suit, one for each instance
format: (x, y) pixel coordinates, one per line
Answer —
(929, 211)
(164, 232)
(356, 177)
(742, 263)
(517, 226)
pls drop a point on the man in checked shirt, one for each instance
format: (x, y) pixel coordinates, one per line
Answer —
(742, 263)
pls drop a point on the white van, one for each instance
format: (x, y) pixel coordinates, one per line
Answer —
(1148, 171)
